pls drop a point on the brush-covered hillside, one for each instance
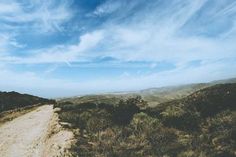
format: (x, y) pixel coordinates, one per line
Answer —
(199, 125)
(153, 96)
(14, 100)
(97, 99)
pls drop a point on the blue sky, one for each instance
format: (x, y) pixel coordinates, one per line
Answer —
(55, 48)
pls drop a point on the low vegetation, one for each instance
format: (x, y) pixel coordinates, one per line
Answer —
(199, 125)
(12, 114)
(14, 100)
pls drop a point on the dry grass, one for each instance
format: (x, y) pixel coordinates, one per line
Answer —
(12, 114)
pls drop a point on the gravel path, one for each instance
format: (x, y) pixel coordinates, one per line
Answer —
(25, 136)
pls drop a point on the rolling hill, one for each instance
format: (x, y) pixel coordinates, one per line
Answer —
(14, 100)
(200, 124)
(153, 96)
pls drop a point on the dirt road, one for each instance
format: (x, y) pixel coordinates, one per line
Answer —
(27, 136)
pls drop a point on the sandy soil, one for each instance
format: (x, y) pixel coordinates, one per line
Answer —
(58, 141)
(33, 134)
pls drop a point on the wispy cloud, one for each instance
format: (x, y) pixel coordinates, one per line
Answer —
(61, 53)
(39, 15)
(53, 87)
(130, 34)
(155, 38)
(106, 8)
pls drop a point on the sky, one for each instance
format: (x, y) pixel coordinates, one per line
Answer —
(60, 48)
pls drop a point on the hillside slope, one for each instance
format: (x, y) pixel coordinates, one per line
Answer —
(206, 102)
(201, 124)
(14, 100)
(154, 96)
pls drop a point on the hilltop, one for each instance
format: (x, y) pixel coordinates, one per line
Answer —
(14, 100)
(153, 96)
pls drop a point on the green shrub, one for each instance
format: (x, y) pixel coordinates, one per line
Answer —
(123, 113)
(181, 118)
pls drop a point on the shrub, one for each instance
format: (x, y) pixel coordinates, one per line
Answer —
(181, 118)
(123, 113)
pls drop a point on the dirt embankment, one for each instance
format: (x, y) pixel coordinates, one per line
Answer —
(35, 134)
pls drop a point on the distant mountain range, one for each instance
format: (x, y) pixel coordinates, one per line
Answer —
(153, 96)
